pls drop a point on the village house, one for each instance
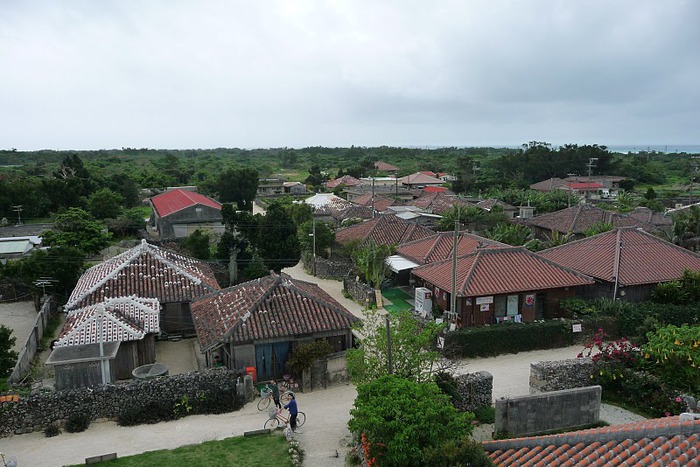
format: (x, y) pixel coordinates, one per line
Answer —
(419, 180)
(147, 271)
(333, 209)
(627, 263)
(345, 181)
(16, 247)
(435, 248)
(494, 285)
(178, 213)
(382, 166)
(383, 230)
(438, 202)
(260, 322)
(492, 204)
(576, 220)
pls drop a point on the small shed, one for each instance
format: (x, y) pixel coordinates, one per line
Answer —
(79, 365)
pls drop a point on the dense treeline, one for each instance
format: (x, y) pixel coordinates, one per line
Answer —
(47, 182)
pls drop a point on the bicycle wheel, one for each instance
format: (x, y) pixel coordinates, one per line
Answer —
(264, 403)
(285, 397)
(301, 418)
(271, 423)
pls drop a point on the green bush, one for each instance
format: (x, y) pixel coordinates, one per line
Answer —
(456, 453)
(396, 419)
(486, 414)
(489, 341)
(77, 422)
(52, 430)
(643, 391)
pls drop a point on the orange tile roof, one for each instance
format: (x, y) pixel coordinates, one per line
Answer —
(385, 167)
(272, 307)
(439, 247)
(643, 258)
(657, 442)
(380, 203)
(347, 180)
(495, 271)
(437, 203)
(419, 178)
(176, 200)
(386, 229)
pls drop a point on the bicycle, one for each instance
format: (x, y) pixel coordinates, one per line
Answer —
(277, 419)
(266, 398)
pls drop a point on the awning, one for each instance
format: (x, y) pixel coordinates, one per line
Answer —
(398, 263)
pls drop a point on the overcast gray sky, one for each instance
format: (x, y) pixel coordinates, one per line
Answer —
(206, 74)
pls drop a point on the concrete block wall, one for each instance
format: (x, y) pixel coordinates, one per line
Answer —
(557, 410)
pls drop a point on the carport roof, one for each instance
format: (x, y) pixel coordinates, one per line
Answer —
(398, 263)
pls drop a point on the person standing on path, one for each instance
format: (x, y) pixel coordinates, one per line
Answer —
(293, 411)
(275, 393)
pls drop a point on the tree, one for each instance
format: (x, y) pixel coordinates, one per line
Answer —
(397, 419)
(277, 240)
(8, 357)
(676, 351)
(105, 204)
(512, 234)
(412, 348)
(370, 260)
(64, 264)
(686, 228)
(238, 186)
(77, 228)
(197, 244)
(129, 222)
(597, 228)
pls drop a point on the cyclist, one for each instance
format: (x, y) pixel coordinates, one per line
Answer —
(293, 411)
(275, 393)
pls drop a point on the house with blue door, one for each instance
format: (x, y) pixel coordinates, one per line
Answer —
(259, 323)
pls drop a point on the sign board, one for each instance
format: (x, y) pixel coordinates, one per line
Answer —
(529, 300)
(441, 343)
(484, 307)
(483, 300)
(576, 327)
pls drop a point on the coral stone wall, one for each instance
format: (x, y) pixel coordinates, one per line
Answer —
(37, 411)
(558, 375)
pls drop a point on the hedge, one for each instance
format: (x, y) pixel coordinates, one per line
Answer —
(489, 341)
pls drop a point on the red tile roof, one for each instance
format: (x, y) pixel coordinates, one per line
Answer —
(120, 319)
(176, 200)
(585, 186)
(386, 229)
(488, 204)
(380, 203)
(496, 271)
(438, 247)
(549, 184)
(419, 178)
(347, 180)
(272, 307)
(659, 442)
(578, 219)
(144, 271)
(645, 214)
(384, 167)
(643, 258)
(435, 189)
(437, 203)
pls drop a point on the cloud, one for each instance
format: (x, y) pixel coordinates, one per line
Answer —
(259, 74)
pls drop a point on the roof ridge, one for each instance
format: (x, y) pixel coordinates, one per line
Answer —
(314, 298)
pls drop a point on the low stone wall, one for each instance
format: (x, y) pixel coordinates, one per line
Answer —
(557, 410)
(360, 292)
(36, 412)
(328, 268)
(476, 391)
(558, 375)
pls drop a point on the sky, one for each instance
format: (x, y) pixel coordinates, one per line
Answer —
(258, 74)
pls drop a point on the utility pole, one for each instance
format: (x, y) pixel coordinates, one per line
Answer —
(18, 210)
(373, 197)
(453, 292)
(591, 163)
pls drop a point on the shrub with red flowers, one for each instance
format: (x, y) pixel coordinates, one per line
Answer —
(620, 351)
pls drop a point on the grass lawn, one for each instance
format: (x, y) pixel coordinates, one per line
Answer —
(256, 451)
(397, 297)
